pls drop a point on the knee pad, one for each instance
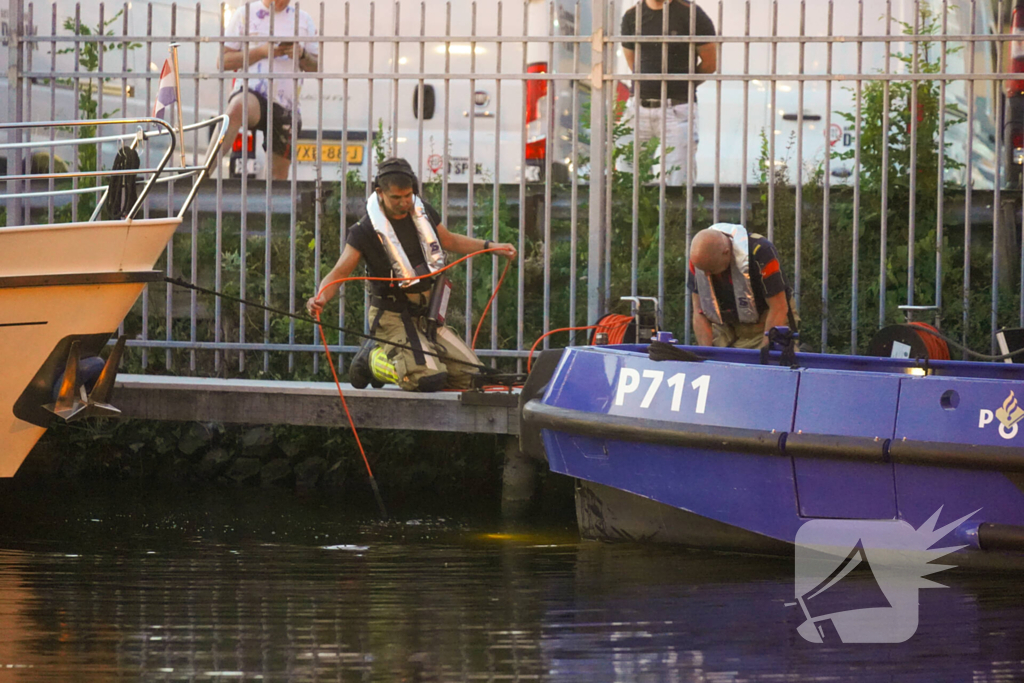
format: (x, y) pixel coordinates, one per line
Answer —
(435, 382)
(382, 367)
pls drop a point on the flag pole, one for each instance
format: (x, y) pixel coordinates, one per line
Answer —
(177, 92)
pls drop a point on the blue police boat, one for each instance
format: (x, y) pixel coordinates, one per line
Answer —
(731, 450)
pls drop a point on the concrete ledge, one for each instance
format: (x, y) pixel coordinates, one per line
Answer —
(153, 397)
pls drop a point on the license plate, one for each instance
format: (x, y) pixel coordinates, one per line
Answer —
(236, 167)
(330, 152)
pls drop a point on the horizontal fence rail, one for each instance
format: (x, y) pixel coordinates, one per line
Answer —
(873, 142)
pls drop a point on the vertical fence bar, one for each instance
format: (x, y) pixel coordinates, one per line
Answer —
(296, 76)
(521, 285)
(663, 137)
(268, 216)
(218, 266)
(826, 214)
(940, 200)
(969, 181)
(193, 301)
(912, 208)
(598, 172)
(14, 104)
(51, 183)
(496, 191)
(145, 209)
(770, 172)
(549, 143)
(421, 87)
(368, 153)
(26, 88)
(691, 166)
(745, 135)
(471, 171)
(997, 203)
(575, 176)
(76, 85)
(717, 194)
(883, 250)
(799, 218)
(371, 129)
(169, 288)
(637, 146)
(396, 55)
(447, 165)
(855, 232)
(318, 216)
(243, 232)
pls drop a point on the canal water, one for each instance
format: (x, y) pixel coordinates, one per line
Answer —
(250, 585)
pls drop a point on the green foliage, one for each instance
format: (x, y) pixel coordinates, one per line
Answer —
(889, 154)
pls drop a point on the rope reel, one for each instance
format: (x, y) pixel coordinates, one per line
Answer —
(910, 340)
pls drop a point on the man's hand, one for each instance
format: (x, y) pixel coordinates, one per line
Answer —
(504, 249)
(316, 304)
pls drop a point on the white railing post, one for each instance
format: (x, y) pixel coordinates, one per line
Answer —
(595, 260)
(15, 29)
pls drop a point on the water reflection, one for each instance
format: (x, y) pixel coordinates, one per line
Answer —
(231, 588)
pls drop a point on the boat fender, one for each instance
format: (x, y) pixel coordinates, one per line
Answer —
(1001, 537)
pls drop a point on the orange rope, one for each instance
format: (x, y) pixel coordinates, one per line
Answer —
(327, 349)
(483, 316)
(615, 328)
(937, 348)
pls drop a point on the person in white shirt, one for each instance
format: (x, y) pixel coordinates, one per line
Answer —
(292, 51)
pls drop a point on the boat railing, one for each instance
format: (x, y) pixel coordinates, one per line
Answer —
(147, 129)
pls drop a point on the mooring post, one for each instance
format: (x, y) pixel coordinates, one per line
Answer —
(518, 480)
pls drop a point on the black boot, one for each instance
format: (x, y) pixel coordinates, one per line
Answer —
(359, 372)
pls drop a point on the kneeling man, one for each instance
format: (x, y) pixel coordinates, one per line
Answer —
(402, 236)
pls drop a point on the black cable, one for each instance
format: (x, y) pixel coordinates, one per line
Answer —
(966, 351)
(188, 285)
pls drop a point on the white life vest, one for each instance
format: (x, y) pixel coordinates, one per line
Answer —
(433, 254)
(743, 292)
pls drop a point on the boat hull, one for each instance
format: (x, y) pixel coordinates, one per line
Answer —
(59, 283)
(745, 454)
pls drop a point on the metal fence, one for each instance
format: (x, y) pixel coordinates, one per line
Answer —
(791, 144)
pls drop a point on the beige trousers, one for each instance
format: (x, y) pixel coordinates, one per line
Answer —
(447, 344)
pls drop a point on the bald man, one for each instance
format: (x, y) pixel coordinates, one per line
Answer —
(739, 290)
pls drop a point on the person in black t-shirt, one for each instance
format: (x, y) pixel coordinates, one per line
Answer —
(646, 104)
(397, 313)
(712, 255)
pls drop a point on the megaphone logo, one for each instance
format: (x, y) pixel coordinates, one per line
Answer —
(857, 581)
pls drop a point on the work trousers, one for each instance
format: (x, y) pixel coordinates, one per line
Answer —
(747, 335)
(434, 373)
(677, 137)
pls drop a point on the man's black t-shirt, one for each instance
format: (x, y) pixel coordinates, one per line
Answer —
(649, 59)
(365, 239)
(766, 279)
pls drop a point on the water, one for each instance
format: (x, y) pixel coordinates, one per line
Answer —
(126, 585)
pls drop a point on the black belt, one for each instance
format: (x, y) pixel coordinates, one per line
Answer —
(652, 104)
(398, 305)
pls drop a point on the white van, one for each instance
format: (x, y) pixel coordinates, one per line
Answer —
(729, 17)
(359, 108)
